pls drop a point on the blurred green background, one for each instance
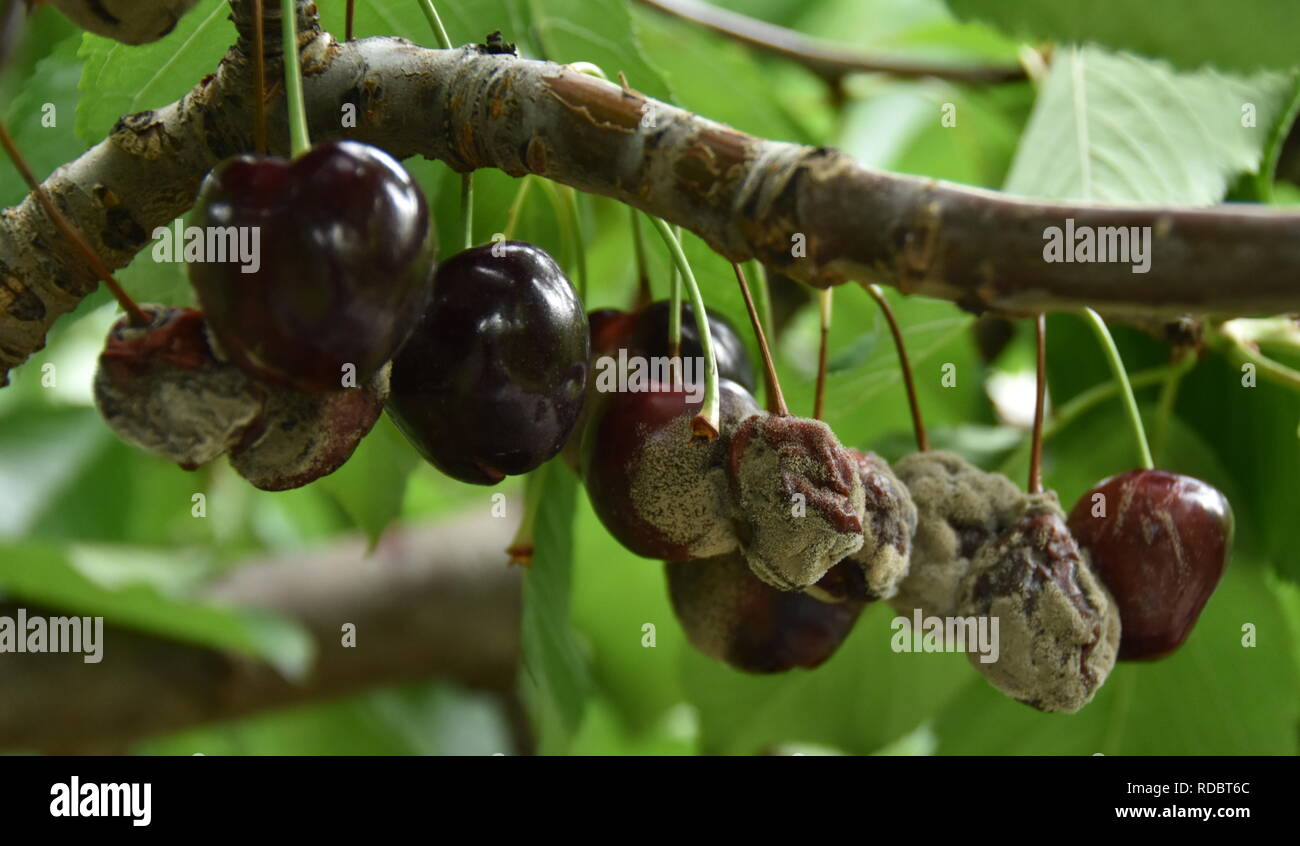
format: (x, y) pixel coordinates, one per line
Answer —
(1099, 124)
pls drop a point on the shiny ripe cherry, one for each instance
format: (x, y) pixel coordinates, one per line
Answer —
(649, 335)
(491, 381)
(731, 615)
(345, 257)
(1159, 541)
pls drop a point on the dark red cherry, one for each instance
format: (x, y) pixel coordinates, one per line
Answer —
(649, 335)
(610, 329)
(731, 615)
(344, 259)
(659, 491)
(491, 382)
(1159, 541)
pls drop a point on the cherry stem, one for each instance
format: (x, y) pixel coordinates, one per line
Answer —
(579, 240)
(922, 441)
(1165, 405)
(439, 31)
(705, 424)
(825, 300)
(1036, 444)
(259, 79)
(523, 546)
(517, 206)
(643, 293)
(467, 208)
(134, 313)
(1125, 389)
(775, 399)
(351, 15)
(299, 138)
(762, 296)
(675, 305)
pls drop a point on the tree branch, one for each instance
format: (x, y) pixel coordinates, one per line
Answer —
(828, 60)
(431, 602)
(745, 196)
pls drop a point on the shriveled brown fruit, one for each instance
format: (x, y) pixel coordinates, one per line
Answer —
(959, 507)
(732, 616)
(797, 498)
(1058, 626)
(658, 490)
(165, 388)
(887, 528)
(302, 437)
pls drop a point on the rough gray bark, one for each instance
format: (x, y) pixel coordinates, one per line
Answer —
(433, 602)
(746, 196)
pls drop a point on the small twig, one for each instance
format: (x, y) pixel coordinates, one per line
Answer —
(775, 399)
(347, 29)
(824, 58)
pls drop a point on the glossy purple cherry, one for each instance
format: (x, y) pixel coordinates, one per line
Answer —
(492, 380)
(649, 334)
(342, 259)
(1160, 542)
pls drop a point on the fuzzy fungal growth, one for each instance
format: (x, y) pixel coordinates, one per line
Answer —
(890, 522)
(301, 437)
(164, 387)
(732, 616)
(659, 491)
(959, 507)
(798, 499)
(1059, 627)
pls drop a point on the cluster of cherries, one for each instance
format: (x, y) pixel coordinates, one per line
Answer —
(774, 535)
(481, 363)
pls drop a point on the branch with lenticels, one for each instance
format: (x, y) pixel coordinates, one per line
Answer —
(812, 213)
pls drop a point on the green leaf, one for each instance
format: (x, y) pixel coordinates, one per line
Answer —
(41, 453)
(1189, 33)
(1116, 128)
(861, 700)
(371, 486)
(597, 31)
(51, 576)
(119, 80)
(53, 82)
(555, 678)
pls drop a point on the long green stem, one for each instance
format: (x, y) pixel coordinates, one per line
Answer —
(675, 303)
(763, 298)
(579, 240)
(705, 424)
(1126, 389)
(517, 206)
(299, 138)
(643, 294)
(439, 31)
(1165, 405)
(1090, 399)
(824, 302)
(467, 208)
